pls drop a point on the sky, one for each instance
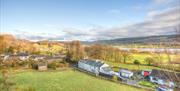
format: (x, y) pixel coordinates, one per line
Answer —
(88, 20)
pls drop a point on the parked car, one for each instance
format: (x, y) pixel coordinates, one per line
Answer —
(163, 88)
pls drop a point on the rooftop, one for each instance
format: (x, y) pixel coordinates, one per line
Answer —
(166, 75)
(96, 63)
(125, 71)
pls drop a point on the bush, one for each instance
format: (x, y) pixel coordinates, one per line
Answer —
(146, 83)
(149, 61)
(52, 65)
(5, 83)
(24, 89)
(115, 78)
(137, 62)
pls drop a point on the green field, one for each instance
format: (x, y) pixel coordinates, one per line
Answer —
(164, 57)
(130, 66)
(68, 80)
(45, 49)
(142, 57)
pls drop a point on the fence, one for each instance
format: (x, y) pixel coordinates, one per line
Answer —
(110, 79)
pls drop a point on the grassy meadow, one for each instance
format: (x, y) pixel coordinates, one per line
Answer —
(45, 49)
(142, 59)
(68, 80)
(130, 66)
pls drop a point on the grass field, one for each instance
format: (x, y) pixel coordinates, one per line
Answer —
(65, 81)
(45, 49)
(130, 66)
(142, 57)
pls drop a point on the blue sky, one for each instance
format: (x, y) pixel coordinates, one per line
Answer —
(80, 19)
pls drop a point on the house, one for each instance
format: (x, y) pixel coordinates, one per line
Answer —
(52, 59)
(3, 57)
(95, 66)
(162, 77)
(42, 66)
(37, 57)
(10, 58)
(125, 73)
(23, 56)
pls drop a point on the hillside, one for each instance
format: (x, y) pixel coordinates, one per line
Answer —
(9, 44)
(163, 39)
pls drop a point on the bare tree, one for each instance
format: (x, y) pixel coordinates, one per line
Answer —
(177, 29)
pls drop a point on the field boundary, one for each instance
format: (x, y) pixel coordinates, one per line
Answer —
(110, 79)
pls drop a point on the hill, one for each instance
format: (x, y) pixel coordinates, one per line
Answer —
(163, 39)
(9, 44)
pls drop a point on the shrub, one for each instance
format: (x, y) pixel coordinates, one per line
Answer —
(5, 82)
(52, 65)
(137, 62)
(115, 78)
(149, 61)
(146, 83)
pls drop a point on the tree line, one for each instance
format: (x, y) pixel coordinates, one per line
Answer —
(76, 51)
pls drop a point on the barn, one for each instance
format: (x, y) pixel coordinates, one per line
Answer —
(42, 66)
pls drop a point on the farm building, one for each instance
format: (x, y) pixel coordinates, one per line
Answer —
(95, 66)
(42, 66)
(125, 73)
(164, 77)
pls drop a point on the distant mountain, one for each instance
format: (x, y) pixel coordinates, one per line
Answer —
(164, 39)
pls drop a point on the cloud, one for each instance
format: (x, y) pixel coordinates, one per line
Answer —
(162, 1)
(157, 23)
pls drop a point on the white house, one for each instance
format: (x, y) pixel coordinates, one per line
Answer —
(95, 66)
(125, 73)
(23, 56)
(37, 57)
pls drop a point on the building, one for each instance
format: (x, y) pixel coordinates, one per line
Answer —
(23, 56)
(10, 58)
(42, 66)
(162, 77)
(146, 73)
(52, 59)
(125, 73)
(37, 57)
(95, 66)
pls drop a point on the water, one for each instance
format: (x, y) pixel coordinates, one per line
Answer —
(171, 50)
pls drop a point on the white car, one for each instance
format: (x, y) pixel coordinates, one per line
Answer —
(163, 88)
